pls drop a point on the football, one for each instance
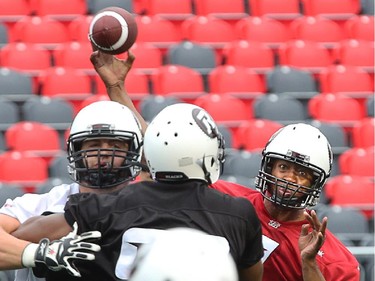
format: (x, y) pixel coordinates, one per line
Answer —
(113, 30)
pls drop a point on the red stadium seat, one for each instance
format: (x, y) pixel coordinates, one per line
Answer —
(157, 31)
(317, 29)
(358, 53)
(33, 138)
(280, 10)
(204, 30)
(225, 108)
(74, 54)
(78, 28)
(148, 57)
(14, 10)
(358, 162)
(336, 9)
(226, 10)
(243, 137)
(67, 83)
(168, 9)
(346, 79)
(363, 133)
(25, 57)
(136, 84)
(16, 167)
(351, 191)
(306, 55)
(45, 31)
(251, 54)
(339, 109)
(183, 82)
(266, 30)
(360, 27)
(60, 9)
(239, 81)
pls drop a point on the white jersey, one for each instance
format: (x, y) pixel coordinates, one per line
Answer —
(31, 205)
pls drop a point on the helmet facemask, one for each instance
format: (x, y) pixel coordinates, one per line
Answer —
(285, 193)
(105, 174)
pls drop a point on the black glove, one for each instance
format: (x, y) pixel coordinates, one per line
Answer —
(61, 254)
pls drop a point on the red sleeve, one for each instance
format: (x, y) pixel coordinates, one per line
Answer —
(231, 188)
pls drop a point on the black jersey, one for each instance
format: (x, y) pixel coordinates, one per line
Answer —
(142, 210)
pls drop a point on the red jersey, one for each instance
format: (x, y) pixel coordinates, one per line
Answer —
(281, 258)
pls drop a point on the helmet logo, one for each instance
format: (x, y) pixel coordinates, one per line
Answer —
(205, 122)
(298, 156)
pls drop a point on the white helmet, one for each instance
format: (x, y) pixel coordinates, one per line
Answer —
(183, 142)
(184, 254)
(108, 120)
(302, 144)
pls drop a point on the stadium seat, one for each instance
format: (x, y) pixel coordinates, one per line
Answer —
(14, 10)
(40, 30)
(318, 29)
(223, 9)
(269, 31)
(243, 137)
(54, 112)
(346, 79)
(25, 57)
(204, 30)
(352, 191)
(157, 31)
(66, 83)
(151, 105)
(335, 9)
(342, 110)
(348, 224)
(367, 8)
(227, 135)
(285, 80)
(58, 166)
(360, 27)
(359, 53)
(33, 139)
(95, 6)
(358, 162)
(74, 54)
(78, 28)
(91, 99)
(15, 85)
(60, 9)
(9, 113)
(369, 106)
(306, 55)
(251, 54)
(194, 55)
(225, 108)
(235, 79)
(3, 145)
(4, 35)
(244, 163)
(279, 10)
(168, 9)
(336, 135)
(282, 109)
(15, 168)
(148, 57)
(180, 81)
(9, 191)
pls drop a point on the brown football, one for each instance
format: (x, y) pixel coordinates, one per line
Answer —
(113, 30)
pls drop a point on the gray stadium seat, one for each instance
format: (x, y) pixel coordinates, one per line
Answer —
(283, 109)
(58, 167)
(15, 85)
(242, 163)
(9, 113)
(151, 105)
(11, 191)
(95, 6)
(54, 112)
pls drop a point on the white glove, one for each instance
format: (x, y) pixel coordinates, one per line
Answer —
(60, 254)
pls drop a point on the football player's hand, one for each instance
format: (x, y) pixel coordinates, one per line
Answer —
(61, 254)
